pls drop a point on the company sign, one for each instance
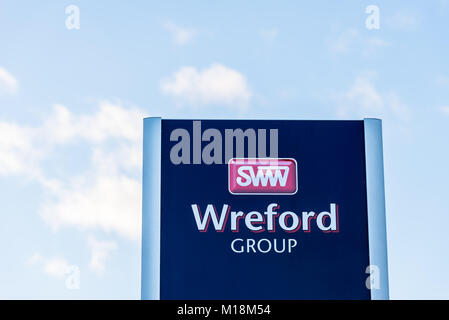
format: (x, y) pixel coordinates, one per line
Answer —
(250, 209)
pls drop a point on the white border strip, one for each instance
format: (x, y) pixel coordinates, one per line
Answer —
(151, 209)
(375, 190)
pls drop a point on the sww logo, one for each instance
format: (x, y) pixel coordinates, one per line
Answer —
(262, 176)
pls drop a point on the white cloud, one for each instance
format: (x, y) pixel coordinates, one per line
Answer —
(214, 85)
(55, 267)
(364, 100)
(180, 35)
(269, 34)
(22, 148)
(8, 84)
(106, 197)
(100, 252)
(364, 94)
(110, 121)
(104, 202)
(124, 156)
(16, 149)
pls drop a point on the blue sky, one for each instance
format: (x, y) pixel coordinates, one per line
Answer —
(71, 103)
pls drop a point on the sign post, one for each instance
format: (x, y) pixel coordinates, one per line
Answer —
(263, 209)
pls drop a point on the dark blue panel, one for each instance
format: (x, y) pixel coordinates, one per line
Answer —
(331, 165)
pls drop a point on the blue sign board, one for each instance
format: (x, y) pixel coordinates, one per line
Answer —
(263, 209)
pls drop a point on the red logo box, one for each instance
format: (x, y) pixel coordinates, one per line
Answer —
(262, 176)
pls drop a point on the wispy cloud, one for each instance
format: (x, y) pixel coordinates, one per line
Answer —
(55, 267)
(106, 197)
(353, 40)
(100, 252)
(403, 20)
(343, 41)
(110, 121)
(107, 203)
(180, 35)
(16, 150)
(363, 99)
(8, 83)
(216, 84)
